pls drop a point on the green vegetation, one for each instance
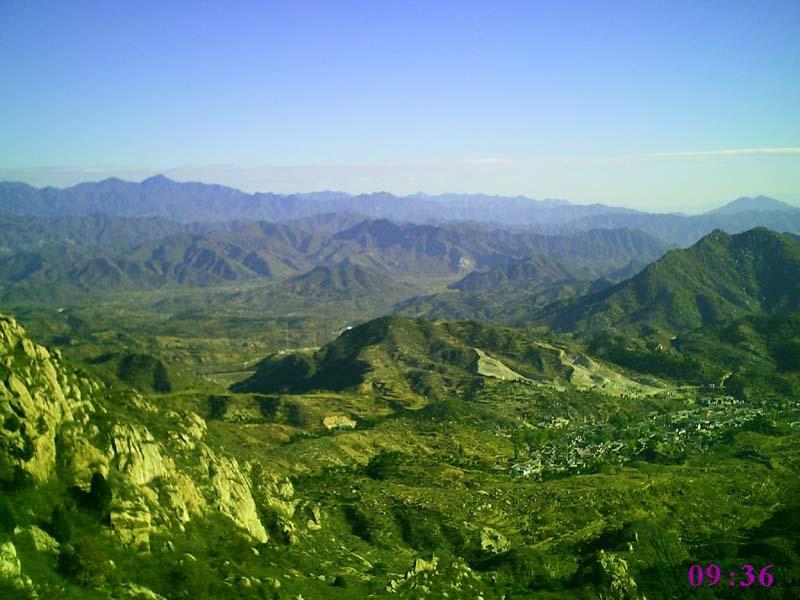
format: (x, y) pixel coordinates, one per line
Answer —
(212, 443)
(720, 278)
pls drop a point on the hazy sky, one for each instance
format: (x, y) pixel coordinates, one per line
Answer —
(657, 105)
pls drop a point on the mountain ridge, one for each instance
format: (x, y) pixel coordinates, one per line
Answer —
(194, 201)
(758, 203)
(187, 202)
(719, 278)
(190, 256)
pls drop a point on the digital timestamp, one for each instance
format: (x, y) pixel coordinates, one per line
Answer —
(747, 576)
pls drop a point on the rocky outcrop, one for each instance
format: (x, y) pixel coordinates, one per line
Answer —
(37, 539)
(338, 422)
(233, 495)
(429, 578)
(132, 591)
(162, 471)
(275, 495)
(37, 396)
(131, 521)
(617, 580)
(9, 563)
(134, 452)
(11, 569)
(493, 542)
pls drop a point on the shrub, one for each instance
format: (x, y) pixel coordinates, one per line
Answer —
(100, 494)
(7, 519)
(269, 406)
(194, 580)
(60, 526)
(12, 422)
(383, 465)
(359, 524)
(217, 406)
(298, 415)
(161, 382)
(84, 564)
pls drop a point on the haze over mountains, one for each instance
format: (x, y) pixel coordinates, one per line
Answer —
(249, 251)
(162, 197)
(196, 202)
(512, 256)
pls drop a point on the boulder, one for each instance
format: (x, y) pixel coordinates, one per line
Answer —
(131, 522)
(338, 422)
(10, 568)
(493, 541)
(37, 539)
(133, 591)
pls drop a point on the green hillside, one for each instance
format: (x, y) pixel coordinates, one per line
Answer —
(514, 306)
(344, 280)
(535, 272)
(143, 372)
(759, 357)
(415, 362)
(514, 292)
(722, 277)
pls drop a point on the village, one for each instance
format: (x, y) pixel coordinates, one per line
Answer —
(585, 447)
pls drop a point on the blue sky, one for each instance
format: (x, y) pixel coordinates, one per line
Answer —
(657, 105)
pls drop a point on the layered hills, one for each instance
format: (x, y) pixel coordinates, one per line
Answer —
(221, 411)
(243, 252)
(192, 202)
(514, 291)
(683, 230)
(344, 290)
(187, 202)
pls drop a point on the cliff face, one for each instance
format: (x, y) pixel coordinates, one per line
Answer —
(59, 427)
(38, 396)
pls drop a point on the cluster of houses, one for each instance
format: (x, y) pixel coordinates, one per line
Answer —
(585, 447)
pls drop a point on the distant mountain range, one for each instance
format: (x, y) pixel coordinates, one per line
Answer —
(759, 204)
(104, 253)
(161, 197)
(685, 230)
(197, 202)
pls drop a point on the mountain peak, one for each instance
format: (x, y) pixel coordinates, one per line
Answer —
(759, 203)
(157, 180)
(721, 277)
